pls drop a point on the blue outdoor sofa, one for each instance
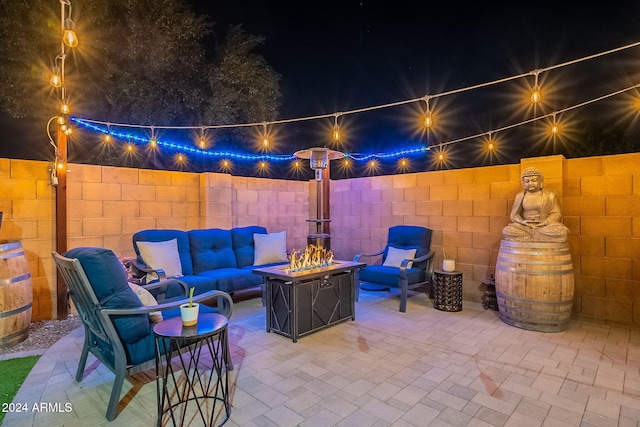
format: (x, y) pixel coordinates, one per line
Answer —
(211, 259)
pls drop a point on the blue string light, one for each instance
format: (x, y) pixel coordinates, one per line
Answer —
(236, 155)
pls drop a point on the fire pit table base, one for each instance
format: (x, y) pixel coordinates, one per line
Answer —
(300, 303)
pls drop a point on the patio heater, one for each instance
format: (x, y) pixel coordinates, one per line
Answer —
(319, 158)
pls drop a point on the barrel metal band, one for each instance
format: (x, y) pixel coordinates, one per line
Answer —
(532, 262)
(16, 279)
(11, 255)
(10, 337)
(16, 311)
(530, 301)
(536, 272)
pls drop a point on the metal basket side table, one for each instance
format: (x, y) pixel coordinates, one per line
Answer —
(447, 290)
(187, 376)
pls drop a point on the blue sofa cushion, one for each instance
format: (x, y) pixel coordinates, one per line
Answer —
(390, 276)
(162, 236)
(109, 281)
(409, 237)
(233, 279)
(211, 249)
(243, 246)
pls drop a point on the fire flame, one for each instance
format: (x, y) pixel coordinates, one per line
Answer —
(312, 257)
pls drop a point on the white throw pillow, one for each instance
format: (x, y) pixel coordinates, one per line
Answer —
(161, 255)
(270, 248)
(395, 257)
(148, 300)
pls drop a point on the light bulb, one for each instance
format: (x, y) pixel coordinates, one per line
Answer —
(68, 131)
(336, 133)
(428, 121)
(202, 143)
(65, 109)
(441, 157)
(490, 146)
(56, 79)
(69, 36)
(535, 94)
(554, 129)
(61, 120)
(153, 142)
(265, 142)
(63, 128)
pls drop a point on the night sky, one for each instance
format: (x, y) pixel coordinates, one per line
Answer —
(337, 55)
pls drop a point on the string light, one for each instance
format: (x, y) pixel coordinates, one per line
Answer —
(69, 36)
(428, 119)
(202, 141)
(535, 93)
(265, 137)
(56, 78)
(336, 129)
(153, 141)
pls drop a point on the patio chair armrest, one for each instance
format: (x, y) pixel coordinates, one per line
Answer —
(143, 269)
(405, 262)
(224, 301)
(358, 256)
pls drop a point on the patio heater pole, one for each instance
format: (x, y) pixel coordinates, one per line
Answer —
(325, 201)
(61, 221)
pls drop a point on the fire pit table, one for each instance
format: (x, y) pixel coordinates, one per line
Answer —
(299, 303)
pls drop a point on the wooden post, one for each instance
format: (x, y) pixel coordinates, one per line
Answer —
(61, 222)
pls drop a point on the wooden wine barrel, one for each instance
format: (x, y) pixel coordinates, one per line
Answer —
(16, 296)
(534, 285)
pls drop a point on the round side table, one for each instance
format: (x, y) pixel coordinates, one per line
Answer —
(203, 380)
(447, 290)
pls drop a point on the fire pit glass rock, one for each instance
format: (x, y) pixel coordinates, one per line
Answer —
(312, 257)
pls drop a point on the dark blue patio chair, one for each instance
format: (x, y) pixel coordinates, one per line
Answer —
(117, 330)
(408, 273)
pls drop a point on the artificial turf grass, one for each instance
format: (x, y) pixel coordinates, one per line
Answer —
(12, 374)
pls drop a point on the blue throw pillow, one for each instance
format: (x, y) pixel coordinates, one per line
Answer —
(109, 281)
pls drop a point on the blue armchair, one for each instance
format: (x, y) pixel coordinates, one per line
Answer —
(401, 267)
(116, 324)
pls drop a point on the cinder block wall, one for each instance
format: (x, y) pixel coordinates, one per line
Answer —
(106, 205)
(466, 208)
(602, 210)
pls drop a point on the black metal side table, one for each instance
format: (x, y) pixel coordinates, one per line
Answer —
(203, 381)
(447, 290)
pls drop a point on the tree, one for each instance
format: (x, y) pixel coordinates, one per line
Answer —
(139, 61)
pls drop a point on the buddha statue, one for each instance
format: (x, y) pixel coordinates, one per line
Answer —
(536, 213)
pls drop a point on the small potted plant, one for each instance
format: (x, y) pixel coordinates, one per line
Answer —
(189, 311)
(448, 263)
